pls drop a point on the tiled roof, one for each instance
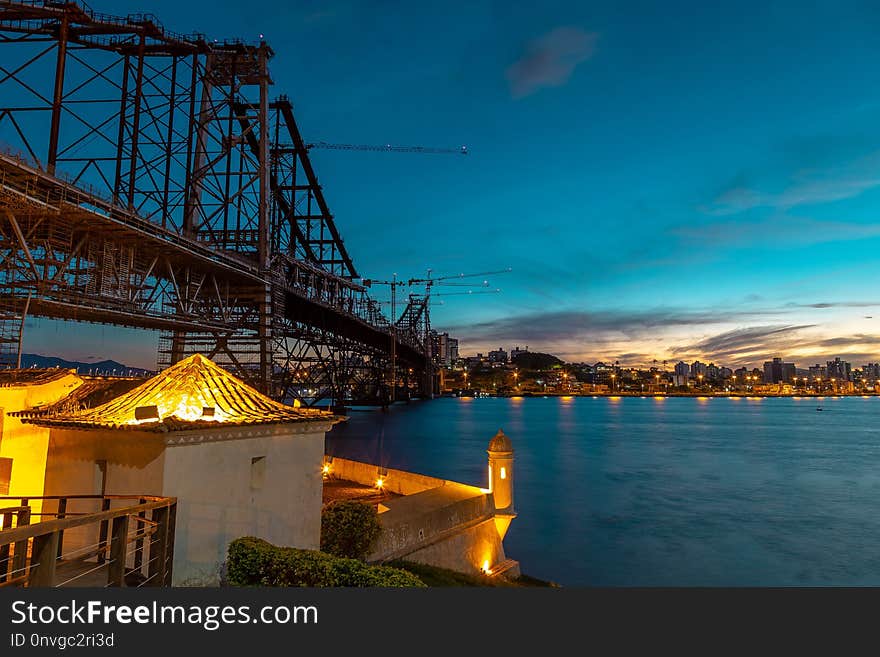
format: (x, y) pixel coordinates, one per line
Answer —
(500, 443)
(93, 391)
(31, 376)
(194, 393)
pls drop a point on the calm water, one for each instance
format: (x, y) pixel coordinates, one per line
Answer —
(680, 491)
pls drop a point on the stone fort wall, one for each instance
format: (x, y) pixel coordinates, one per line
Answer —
(436, 521)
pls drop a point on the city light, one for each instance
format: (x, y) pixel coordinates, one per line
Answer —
(495, 376)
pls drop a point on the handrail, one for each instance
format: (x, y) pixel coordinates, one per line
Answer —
(32, 554)
(149, 498)
(50, 526)
(13, 509)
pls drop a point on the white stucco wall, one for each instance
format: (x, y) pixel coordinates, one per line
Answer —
(210, 473)
(134, 467)
(27, 444)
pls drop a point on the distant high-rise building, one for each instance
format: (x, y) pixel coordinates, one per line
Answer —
(516, 351)
(775, 371)
(817, 372)
(498, 356)
(445, 349)
(699, 369)
(452, 350)
(871, 371)
(839, 369)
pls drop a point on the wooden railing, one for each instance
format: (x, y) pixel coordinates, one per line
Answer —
(132, 549)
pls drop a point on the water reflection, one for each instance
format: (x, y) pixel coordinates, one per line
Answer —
(646, 492)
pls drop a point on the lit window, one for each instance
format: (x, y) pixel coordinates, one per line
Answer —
(503, 473)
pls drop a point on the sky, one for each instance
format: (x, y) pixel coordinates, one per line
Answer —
(665, 181)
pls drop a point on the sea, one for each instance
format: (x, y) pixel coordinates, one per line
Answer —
(644, 491)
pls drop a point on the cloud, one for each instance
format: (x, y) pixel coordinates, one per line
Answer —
(550, 60)
(779, 232)
(640, 337)
(731, 335)
(556, 326)
(823, 183)
(850, 341)
(836, 304)
(637, 336)
(750, 344)
(808, 192)
(798, 343)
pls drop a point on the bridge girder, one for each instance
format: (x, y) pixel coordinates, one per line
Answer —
(151, 182)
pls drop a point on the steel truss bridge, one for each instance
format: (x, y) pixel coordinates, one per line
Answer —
(152, 181)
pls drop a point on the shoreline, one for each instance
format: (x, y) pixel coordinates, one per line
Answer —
(738, 395)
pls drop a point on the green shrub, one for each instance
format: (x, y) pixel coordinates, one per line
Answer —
(349, 529)
(250, 558)
(255, 562)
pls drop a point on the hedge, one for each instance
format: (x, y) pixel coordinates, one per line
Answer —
(255, 562)
(349, 528)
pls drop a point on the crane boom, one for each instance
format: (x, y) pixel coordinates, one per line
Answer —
(461, 150)
(431, 279)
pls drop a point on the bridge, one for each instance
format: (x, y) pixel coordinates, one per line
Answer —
(151, 180)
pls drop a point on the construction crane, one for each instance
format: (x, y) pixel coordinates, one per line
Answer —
(393, 284)
(455, 280)
(451, 280)
(497, 290)
(430, 281)
(461, 150)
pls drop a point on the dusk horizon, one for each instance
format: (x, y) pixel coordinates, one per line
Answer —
(717, 208)
(801, 354)
(322, 294)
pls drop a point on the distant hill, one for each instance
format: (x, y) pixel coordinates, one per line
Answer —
(105, 367)
(535, 360)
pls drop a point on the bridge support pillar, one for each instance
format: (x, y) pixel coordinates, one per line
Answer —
(267, 361)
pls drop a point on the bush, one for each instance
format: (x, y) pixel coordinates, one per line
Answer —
(255, 562)
(349, 529)
(247, 560)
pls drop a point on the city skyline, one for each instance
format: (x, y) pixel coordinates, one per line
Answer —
(507, 356)
(652, 204)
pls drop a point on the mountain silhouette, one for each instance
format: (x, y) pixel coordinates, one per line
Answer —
(102, 367)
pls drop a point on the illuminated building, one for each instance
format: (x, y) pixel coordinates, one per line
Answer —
(238, 462)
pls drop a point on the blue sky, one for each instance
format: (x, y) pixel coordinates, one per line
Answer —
(666, 180)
